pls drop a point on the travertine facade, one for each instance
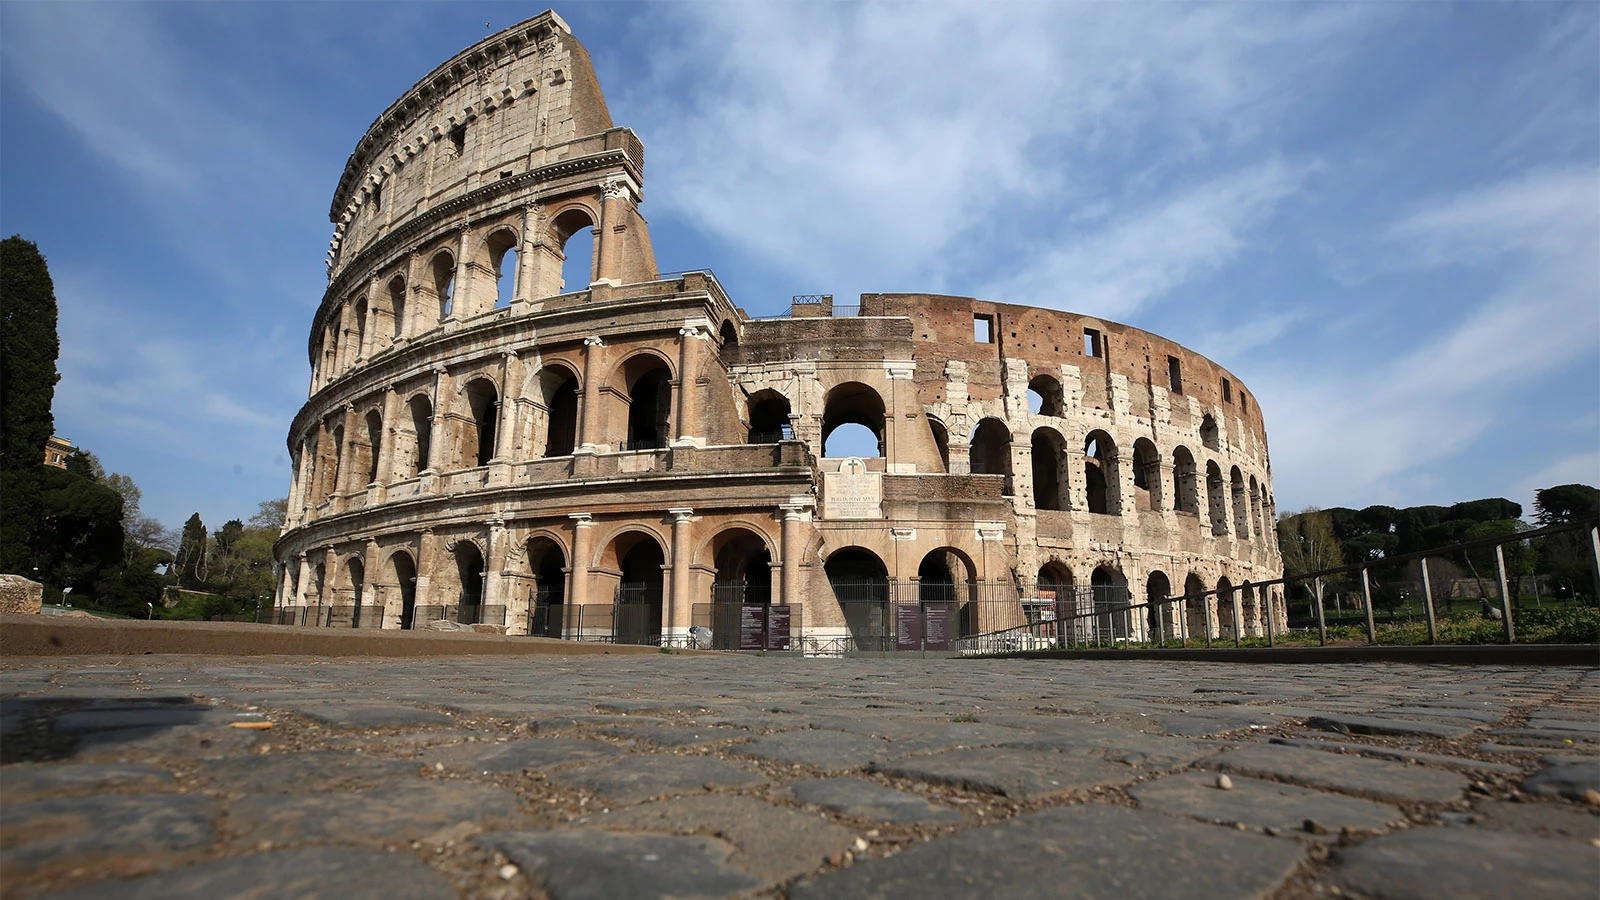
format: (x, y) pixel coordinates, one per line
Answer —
(617, 456)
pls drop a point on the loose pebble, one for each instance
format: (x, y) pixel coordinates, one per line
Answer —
(1224, 783)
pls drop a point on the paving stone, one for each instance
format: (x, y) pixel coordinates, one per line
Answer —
(772, 843)
(76, 828)
(1565, 778)
(1379, 725)
(673, 735)
(1260, 804)
(179, 742)
(601, 866)
(1116, 744)
(518, 756)
(857, 797)
(30, 782)
(368, 714)
(650, 707)
(1433, 759)
(640, 778)
(403, 812)
(830, 750)
(309, 873)
(1022, 773)
(151, 716)
(1099, 851)
(1332, 771)
(302, 773)
(1542, 819)
(1466, 864)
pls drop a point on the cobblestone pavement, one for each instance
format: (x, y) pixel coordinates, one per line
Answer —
(689, 776)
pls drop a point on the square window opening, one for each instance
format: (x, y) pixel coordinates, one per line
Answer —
(1227, 391)
(983, 329)
(1175, 374)
(1093, 343)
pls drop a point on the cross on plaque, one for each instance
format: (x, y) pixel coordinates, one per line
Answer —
(853, 466)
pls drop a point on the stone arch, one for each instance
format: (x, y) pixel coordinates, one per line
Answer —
(470, 572)
(403, 569)
(442, 266)
(359, 313)
(728, 337)
(741, 556)
(1051, 487)
(853, 403)
(341, 461)
(643, 387)
(566, 223)
(941, 440)
(374, 449)
(1109, 589)
(1101, 476)
(1045, 396)
(493, 252)
(946, 575)
(1208, 433)
(638, 558)
(1249, 611)
(352, 585)
(479, 441)
(1160, 616)
(1216, 499)
(1258, 519)
(555, 425)
(991, 451)
(1241, 504)
(421, 408)
(547, 565)
(1195, 605)
(1186, 488)
(769, 417)
(860, 583)
(1147, 475)
(1224, 600)
(397, 307)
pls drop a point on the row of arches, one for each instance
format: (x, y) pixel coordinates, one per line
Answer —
(393, 310)
(1047, 398)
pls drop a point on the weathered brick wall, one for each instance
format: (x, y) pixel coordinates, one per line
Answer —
(19, 596)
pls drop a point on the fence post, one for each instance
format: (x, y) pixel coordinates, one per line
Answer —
(1234, 603)
(1161, 629)
(1427, 603)
(1366, 600)
(1182, 607)
(1322, 622)
(1505, 594)
(1205, 606)
(1594, 547)
(1266, 603)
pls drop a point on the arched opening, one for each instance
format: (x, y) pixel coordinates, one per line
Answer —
(730, 343)
(769, 418)
(1045, 396)
(502, 249)
(1159, 615)
(1208, 433)
(1249, 614)
(469, 575)
(1049, 469)
(444, 283)
(640, 590)
(1056, 604)
(558, 387)
(340, 460)
(575, 234)
(946, 583)
(374, 445)
(852, 421)
(1147, 474)
(991, 451)
(1185, 485)
(649, 383)
(743, 578)
(1257, 519)
(1100, 478)
(1113, 619)
(405, 579)
(547, 607)
(941, 441)
(355, 578)
(1194, 603)
(860, 583)
(1241, 505)
(360, 315)
(484, 402)
(1216, 499)
(422, 428)
(397, 306)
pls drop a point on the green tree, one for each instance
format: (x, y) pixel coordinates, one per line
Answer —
(1308, 544)
(78, 538)
(1520, 557)
(85, 464)
(271, 514)
(191, 558)
(1567, 558)
(1565, 503)
(28, 351)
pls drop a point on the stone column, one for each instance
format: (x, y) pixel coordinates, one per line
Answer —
(414, 297)
(792, 550)
(368, 330)
(679, 614)
(301, 578)
(524, 283)
(494, 564)
(897, 371)
(690, 339)
(611, 212)
(436, 437)
(330, 574)
(582, 528)
(347, 474)
(461, 294)
(594, 351)
(391, 431)
(296, 508)
(319, 488)
(423, 592)
(369, 575)
(510, 395)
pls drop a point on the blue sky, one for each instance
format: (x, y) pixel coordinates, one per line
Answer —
(1385, 218)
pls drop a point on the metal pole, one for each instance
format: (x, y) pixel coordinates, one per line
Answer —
(1161, 626)
(1233, 604)
(1427, 603)
(1182, 606)
(1206, 606)
(1594, 547)
(1322, 623)
(1266, 603)
(1505, 593)
(1366, 599)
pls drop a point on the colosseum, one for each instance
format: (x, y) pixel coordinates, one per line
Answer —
(634, 458)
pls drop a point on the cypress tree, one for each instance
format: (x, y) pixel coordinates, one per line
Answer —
(28, 351)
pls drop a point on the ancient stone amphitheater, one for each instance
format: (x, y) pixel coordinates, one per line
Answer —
(634, 458)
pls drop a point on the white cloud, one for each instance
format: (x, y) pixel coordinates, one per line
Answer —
(1578, 468)
(1375, 429)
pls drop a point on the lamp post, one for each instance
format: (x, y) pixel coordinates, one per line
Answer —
(152, 613)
